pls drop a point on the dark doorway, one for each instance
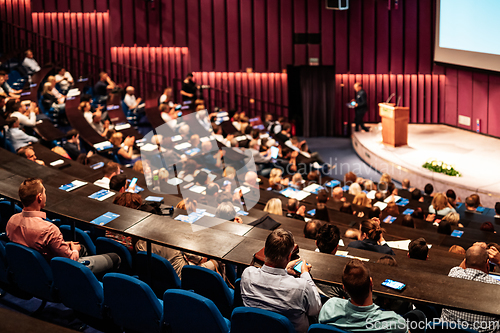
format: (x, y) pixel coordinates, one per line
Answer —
(311, 100)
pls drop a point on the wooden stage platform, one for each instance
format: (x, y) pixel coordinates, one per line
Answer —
(474, 155)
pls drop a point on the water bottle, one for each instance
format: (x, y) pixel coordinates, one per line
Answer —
(478, 126)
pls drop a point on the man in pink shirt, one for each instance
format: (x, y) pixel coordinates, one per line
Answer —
(29, 228)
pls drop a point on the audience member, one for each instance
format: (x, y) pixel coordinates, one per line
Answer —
(118, 183)
(354, 189)
(189, 88)
(457, 249)
(294, 211)
(371, 238)
(321, 209)
(29, 228)
(125, 150)
(350, 178)
(418, 249)
(352, 233)
(487, 226)
(359, 313)
(30, 64)
(454, 219)
(274, 287)
(472, 202)
(338, 194)
(110, 169)
(445, 227)
(346, 208)
(72, 144)
(311, 228)
(131, 101)
(475, 267)
(408, 221)
(99, 126)
(16, 136)
(388, 260)
(26, 115)
(65, 80)
(361, 200)
(49, 100)
(102, 86)
(226, 211)
(29, 153)
(440, 205)
(167, 97)
(273, 206)
(327, 241)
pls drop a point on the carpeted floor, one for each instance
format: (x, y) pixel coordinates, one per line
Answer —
(339, 152)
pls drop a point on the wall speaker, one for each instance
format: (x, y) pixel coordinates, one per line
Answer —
(337, 4)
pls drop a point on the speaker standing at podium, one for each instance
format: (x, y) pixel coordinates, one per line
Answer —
(360, 107)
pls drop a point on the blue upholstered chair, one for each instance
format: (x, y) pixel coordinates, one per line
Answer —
(79, 289)
(107, 245)
(186, 312)
(81, 236)
(209, 284)
(30, 273)
(163, 275)
(133, 305)
(7, 209)
(246, 320)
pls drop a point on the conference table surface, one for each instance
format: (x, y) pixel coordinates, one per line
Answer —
(232, 242)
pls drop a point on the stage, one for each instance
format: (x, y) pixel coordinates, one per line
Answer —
(473, 155)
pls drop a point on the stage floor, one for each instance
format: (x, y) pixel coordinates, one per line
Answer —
(473, 155)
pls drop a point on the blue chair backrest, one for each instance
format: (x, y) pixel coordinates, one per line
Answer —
(14, 76)
(246, 320)
(81, 236)
(9, 146)
(30, 272)
(238, 301)
(4, 273)
(447, 327)
(209, 284)
(179, 306)
(323, 328)
(7, 209)
(133, 305)
(106, 245)
(77, 287)
(163, 275)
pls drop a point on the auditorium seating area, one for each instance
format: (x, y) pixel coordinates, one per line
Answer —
(171, 167)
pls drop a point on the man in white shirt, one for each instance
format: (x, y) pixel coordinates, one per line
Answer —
(30, 64)
(130, 100)
(64, 79)
(26, 116)
(110, 169)
(274, 287)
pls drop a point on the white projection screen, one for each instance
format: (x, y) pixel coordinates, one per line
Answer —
(468, 33)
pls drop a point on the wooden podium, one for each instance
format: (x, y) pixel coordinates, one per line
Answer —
(394, 124)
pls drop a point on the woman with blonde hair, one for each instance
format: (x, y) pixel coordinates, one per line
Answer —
(454, 219)
(371, 238)
(273, 206)
(297, 181)
(362, 200)
(369, 186)
(275, 180)
(354, 189)
(440, 205)
(126, 151)
(49, 100)
(385, 178)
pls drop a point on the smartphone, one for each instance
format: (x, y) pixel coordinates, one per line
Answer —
(353, 103)
(97, 165)
(298, 267)
(394, 284)
(179, 114)
(312, 212)
(132, 184)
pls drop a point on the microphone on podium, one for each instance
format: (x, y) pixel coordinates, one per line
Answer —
(390, 97)
(399, 100)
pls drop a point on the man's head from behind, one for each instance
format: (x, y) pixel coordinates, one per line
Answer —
(328, 238)
(278, 248)
(357, 281)
(428, 189)
(32, 194)
(118, 183)
(111, 169)
(477, 257)
(472, 202)
(311, 228)
(418, 249)
(322, 196)
(293, 205)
